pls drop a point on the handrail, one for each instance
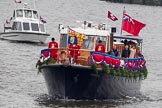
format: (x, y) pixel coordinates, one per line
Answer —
(86, 59)
(139, 58)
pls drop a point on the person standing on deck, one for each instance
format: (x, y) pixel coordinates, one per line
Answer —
(74, 51)
(100, 47)
(138, 52)
(114, 51)
(132, 51)
(125, 52)
(53, 46)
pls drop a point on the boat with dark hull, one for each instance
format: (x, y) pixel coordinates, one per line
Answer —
(91, 75)
(80, 82)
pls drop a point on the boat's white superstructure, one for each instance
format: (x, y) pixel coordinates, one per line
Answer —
(26, 26)
(94, 33)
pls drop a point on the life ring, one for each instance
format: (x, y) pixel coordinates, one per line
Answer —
(63, 56)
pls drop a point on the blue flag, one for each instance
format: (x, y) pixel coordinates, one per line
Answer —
(72, 40)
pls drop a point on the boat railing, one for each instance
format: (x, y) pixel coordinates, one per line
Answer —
(102, 59)
(75, 56)
(7, 28)
(67, 55)
(127, 67)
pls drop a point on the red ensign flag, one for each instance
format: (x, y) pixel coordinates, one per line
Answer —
(131, 26)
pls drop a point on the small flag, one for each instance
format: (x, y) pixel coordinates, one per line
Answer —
(111, 16)
(42, 20)
(17, 1)
(7, 22)
(45, 52)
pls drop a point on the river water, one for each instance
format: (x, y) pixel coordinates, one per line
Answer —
(22, 87)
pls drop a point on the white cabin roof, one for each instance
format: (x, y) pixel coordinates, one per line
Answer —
(131, 37)
(87, 31)
(96, 32)
(26, 9)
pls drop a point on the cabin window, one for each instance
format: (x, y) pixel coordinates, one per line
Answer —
(34, 27)
(42, 29)
(35, 14)
(26, 26)
(19, 13)
(88, 42)
(28, 13)
(16, 26)
(63, 40)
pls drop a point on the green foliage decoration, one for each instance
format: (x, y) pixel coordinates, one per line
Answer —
(145, 72)
(94, 67)
(113, 71)
(106, 69)
(48, 61)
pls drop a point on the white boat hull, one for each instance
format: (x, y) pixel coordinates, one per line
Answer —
(24, 36)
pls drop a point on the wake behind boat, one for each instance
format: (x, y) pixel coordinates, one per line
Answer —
(81, 72)
(25, 26)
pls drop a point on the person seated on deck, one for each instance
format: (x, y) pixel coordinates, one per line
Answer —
(100, 47)
(125, 52)
(114, 51)
(53, 46)
(74, 52)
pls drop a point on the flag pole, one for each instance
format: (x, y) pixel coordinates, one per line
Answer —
(107, 27)
(107, 22)
(122, 21)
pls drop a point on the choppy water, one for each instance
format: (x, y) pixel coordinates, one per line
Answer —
(21, 87)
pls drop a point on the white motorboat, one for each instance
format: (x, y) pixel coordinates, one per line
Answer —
(25, 26)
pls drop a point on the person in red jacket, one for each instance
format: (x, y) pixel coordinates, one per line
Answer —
(53, 46)
(74, 51)
(100, 47)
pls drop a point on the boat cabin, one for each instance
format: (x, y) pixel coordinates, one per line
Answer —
(88, 38)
